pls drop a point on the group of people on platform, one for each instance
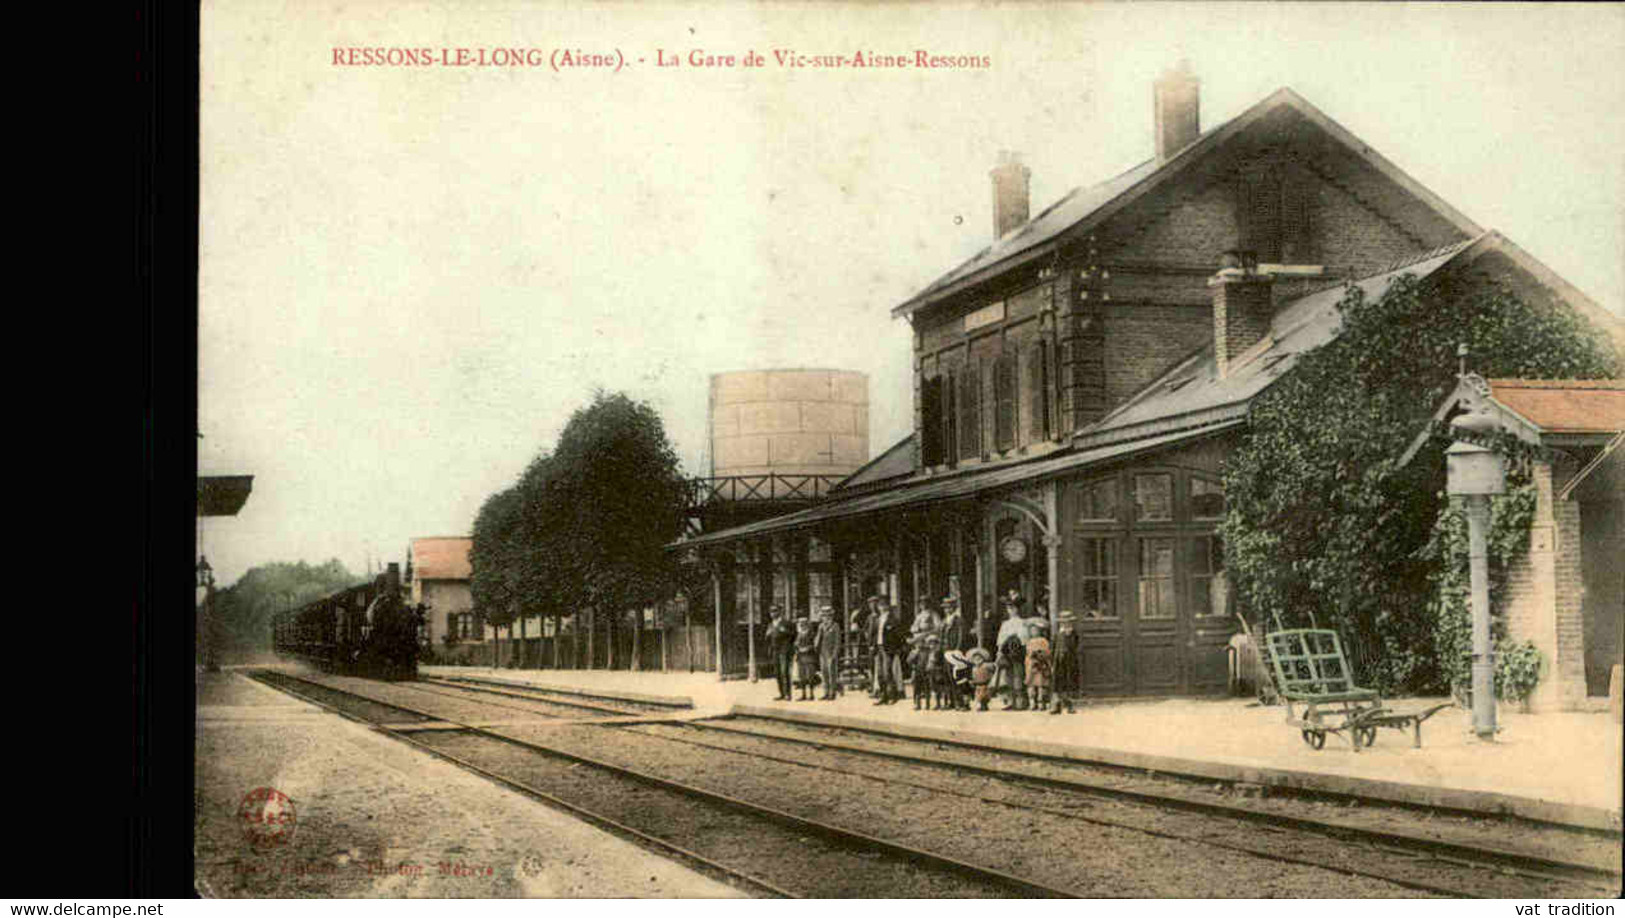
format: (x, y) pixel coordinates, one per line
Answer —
(937, 652)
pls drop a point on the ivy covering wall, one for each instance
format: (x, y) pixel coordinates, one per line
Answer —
(1321, 523)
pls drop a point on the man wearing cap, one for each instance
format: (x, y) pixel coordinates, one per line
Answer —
(870, 619)
(829, 652)
(781, 638)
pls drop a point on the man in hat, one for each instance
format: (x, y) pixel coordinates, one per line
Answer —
(867, 624)
(892, 639)
(829, 652)
(781, 639)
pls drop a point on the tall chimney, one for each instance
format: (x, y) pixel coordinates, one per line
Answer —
(1243, 304)
(1177, 115)
(1009, 193)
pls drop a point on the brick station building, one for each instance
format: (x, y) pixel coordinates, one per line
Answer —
(1079, 382)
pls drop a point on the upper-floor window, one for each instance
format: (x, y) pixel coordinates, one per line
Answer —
(1274, 212)
(1154, 497)
(1017, 389)
(1207, 499)
(1097, 501)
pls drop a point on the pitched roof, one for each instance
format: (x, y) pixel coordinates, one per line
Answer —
(442, 558)
(1083, 208)
(1193, 394)
(1565, 405)
(896, 462)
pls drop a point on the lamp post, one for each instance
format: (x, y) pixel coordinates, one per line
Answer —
(1475, 472)
(205, 638)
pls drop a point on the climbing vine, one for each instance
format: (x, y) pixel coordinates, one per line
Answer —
(1517, 666)
(1323, 525)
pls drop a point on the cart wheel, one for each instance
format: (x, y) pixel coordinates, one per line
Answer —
(1315, 738)
(1365, 736)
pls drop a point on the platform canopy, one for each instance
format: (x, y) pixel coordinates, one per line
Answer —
(222, 495)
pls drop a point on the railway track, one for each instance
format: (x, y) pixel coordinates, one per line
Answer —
(756, 848)
(1354, 850)
(920, 776)
(600, 704)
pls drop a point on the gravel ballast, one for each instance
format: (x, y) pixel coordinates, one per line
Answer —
(376, 818)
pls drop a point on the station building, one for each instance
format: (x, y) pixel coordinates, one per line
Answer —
(1078, 384)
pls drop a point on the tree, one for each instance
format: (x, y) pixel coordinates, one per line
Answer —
(1319, 518)
(626, 497)
(586, 526)
(495, 579)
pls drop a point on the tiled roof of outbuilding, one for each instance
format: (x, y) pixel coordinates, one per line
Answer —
(442, 558)
(1565, 405)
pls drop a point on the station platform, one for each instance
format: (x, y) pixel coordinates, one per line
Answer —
(1563, 768)
(371, 817)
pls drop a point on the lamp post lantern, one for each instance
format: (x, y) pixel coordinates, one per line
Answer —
(1475, 472)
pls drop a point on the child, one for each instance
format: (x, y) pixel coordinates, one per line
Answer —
(926, 662)
(1066, 663)
(959, 679)
(806, 654)
(1038, 671)
(981, 676)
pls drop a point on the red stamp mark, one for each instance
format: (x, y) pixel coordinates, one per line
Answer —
(268, 818)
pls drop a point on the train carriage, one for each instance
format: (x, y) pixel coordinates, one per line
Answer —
(366, 630)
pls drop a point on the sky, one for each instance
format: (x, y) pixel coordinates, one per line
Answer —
(410, 276)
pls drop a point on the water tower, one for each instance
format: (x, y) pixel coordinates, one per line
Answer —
(779, 439)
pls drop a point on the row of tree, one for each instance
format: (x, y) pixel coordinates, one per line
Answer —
(585, 527)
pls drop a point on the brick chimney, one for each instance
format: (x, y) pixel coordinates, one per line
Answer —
(1243, 304)
(1177, 110)
(1009, 193)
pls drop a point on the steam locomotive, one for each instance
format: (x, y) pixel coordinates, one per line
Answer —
(368, 630)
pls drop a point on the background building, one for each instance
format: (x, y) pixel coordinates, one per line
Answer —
(438, 571)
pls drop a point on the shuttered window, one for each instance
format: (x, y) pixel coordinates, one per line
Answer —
(1004, 395)
(1274, 205)
(950, 415)
(1038, 393)
(970, 410)
(1259, 208)
(931, 420)
(1297, 234)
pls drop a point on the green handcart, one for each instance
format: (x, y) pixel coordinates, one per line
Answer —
(1310, 669)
